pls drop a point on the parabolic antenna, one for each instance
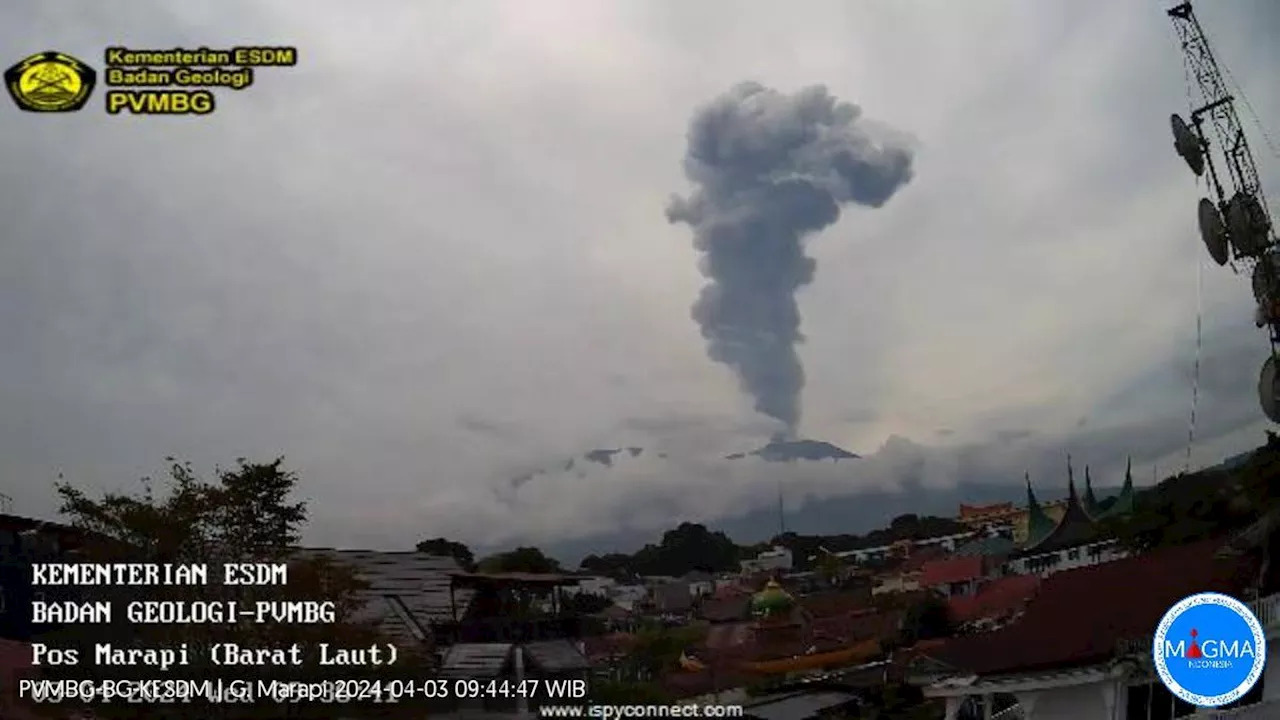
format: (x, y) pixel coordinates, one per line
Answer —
(1248, 224)
(1213, 231)
(1188, 145)
(1269, 391)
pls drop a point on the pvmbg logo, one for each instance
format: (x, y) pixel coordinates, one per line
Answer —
(1209, 650)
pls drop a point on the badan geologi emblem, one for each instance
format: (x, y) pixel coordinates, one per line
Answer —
(50, 82)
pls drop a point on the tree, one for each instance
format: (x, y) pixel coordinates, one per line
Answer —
(927, 620)
(522, 559)
(244, 516)
(657, 650)
(448, 548)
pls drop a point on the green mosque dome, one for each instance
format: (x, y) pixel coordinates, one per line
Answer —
(771, 601)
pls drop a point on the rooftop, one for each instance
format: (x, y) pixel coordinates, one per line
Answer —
(950, 570)
(1078, 617)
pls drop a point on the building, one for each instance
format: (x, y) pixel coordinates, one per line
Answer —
(1081, 649)
(993, 515)
(502, 635)
(406, 593)
(1077, 539)
(776, 559)
(904, 548)
(955, 576)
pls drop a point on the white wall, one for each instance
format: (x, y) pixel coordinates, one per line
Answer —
(1075, 703)
(1084, 558)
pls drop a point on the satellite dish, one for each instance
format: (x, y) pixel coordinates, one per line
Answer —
(1266, 285)
(1247, 224)
(1213, 231)
(1188, 145)
(1269, 390)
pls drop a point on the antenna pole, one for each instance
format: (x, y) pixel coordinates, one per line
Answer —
(1216, 124)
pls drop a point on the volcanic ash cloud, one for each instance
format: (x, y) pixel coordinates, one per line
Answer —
(769, 169)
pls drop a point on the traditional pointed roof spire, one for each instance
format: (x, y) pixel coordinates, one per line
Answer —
(1039, 524)
(1124, 501)
(1091, 504)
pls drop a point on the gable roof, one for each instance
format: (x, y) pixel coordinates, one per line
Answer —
(556, 656)
(951, 570)
(1078, 617)
(479, 660)
(408, 591)
(1074, 528)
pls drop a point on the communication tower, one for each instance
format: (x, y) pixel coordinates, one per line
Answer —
(1235, 223)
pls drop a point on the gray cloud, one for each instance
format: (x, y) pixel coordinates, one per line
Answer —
(373, 272)
(771, 169)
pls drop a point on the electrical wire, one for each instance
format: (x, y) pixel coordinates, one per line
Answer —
(1195, 367)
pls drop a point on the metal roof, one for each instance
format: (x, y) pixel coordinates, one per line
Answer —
(475, 660)
(556, 656)
(403, 587)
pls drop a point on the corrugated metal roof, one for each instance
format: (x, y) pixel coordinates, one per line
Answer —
(419, 582)
(800, 706)
(556, 656)
(475, 660)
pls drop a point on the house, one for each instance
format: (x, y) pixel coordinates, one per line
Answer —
(772, 560)
(592, 585)
(700, 583)
(953, 576)
(905, 547)
(546, 661)
(673, 598)
(407, 592)
(996, 601)
(626, 596)
(905, 577)
(1079, 650)
(1077, 539)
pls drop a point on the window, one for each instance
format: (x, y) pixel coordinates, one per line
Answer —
(1073, 555)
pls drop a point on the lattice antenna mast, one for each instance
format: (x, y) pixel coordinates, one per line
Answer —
(1217, 110)
(1236, 226)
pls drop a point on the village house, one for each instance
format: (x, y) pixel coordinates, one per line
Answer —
(1081, 648)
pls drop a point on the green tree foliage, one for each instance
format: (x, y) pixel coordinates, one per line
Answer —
(522, 559)
(1210, 503)
(613, 565)
(448, 548)
(245, 515)
(692, 546)
(657, 650)
(928, 619)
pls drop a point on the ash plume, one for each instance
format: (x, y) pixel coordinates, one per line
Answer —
(768, 169)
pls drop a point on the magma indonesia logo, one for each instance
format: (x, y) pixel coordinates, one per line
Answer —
(1209, 650)
(50, 82)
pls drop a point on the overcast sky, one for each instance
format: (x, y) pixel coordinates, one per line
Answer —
(434, 256)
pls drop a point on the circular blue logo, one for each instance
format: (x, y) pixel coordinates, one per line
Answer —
(1209, 650)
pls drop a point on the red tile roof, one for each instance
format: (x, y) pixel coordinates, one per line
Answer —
(920, 557)
(998, 598)
(1079, 616)
(951, 570)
